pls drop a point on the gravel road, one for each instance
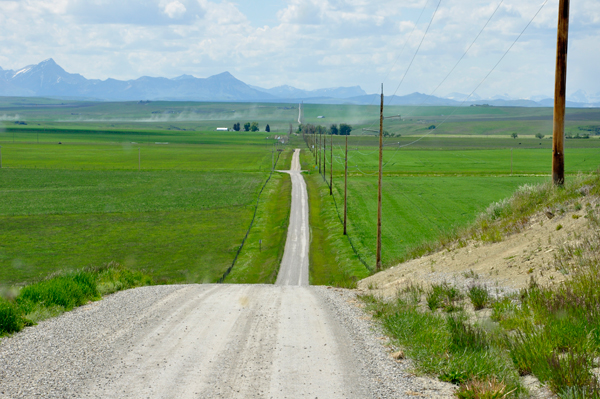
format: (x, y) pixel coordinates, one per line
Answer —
(289, 340)
(294, 264)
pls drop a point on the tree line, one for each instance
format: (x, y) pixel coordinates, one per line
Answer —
(250, 127)
(343, 130)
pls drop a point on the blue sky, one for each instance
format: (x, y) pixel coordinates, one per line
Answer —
(309, 44)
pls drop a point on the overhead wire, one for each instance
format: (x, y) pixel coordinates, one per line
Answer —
(477, 87)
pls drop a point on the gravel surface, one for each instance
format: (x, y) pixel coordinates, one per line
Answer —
(210, 341)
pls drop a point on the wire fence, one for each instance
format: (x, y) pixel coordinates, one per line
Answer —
(237, 254)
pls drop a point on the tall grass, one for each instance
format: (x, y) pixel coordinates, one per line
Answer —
(65, 291)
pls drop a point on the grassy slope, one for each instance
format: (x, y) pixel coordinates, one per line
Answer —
(259, 262)
(332, 260)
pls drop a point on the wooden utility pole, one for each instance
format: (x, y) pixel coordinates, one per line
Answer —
(560, 88)
(331, 164)
(378, 256)
(345, 185)
(320, 144)
(325, 157)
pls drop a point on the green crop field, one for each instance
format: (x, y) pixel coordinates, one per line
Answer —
(153, 186)
(174, 203)
(430, 188)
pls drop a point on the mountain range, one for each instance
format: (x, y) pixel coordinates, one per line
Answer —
(48, 79)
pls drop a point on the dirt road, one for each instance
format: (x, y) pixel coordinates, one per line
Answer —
(294, 265)
(289, 340)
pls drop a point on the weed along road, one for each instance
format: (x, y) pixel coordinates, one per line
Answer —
(288, 340)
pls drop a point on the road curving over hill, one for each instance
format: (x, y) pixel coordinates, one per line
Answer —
(288, 340)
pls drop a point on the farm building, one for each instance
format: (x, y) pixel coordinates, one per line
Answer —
(222, 129)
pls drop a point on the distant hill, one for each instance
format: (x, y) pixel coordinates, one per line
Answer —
(48, 79)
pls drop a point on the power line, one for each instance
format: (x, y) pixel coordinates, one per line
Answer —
(416, 52)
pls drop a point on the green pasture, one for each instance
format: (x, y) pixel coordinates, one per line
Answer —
(472, 162)
(141, 134)
(418, 209)
(160, 221)
(129, 157)
(71, 194)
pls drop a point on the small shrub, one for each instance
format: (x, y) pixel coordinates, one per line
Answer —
(412, 293)
(464, 336)
(471, 274)
(570, 370)
(479, 296)
(10, 318)
(558, 227)
(483, 389)
(434, 297)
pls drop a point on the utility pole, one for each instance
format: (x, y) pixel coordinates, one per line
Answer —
(378, 256)
(325, 157)
(320, 144)
(345, 185)
(331, 165)
(560, 88)
(511, 161)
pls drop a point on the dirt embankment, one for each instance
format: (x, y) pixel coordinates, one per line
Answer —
(503, 266)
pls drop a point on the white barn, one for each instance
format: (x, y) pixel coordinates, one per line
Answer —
(222, 129)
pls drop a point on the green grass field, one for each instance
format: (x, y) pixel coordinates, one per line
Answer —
(181, 217)
(160, 221)
(430, 189)
(184, 213)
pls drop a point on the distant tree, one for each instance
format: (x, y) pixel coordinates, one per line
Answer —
(267, 128)
(254, 126)
(333, 129)
(431, 127)
(539, 136)
(387, 134)
(514, 135)
(236, 127)
(247, 126)
(320, 129)
(345, 129)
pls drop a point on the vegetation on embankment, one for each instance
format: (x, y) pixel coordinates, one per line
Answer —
(483, 341)
(62, 292)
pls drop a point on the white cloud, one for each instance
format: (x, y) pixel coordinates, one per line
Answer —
(174, 9)
(313, 44)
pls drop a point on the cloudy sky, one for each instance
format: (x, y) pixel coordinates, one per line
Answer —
(309, 44)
